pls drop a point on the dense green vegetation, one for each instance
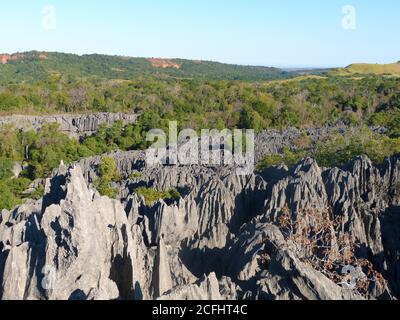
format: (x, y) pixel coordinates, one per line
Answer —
(39, 153)
(120, 137)
(338, 149)
(216, 104)
(196, 97)
(108, 173)
(152, 195)
(35, 66)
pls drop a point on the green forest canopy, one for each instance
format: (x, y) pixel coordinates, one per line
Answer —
(205, 101)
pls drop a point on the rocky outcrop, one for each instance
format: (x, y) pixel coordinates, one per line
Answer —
(5, 57)
(226, 238)
(73, 125)
(206, 288)
(162, 281)
(69, 247)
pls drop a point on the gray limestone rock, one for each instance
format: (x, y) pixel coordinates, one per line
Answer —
(75, 244)
(73, 125)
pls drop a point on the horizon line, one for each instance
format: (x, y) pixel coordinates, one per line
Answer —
(278, 66)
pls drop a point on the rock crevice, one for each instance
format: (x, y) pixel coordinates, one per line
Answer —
(223, 239)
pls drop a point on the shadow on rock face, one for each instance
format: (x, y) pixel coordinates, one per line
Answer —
(57, 192)
(390, 224)
(203, 261)
(138, 294)
(248, 205)
(77, 295)
(122, 273)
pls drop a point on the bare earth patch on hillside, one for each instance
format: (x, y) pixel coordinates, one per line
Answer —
(5, 58)
(164, 63)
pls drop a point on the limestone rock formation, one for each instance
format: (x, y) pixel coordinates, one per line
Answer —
(228, 237)
(206, 288)
(73, 125)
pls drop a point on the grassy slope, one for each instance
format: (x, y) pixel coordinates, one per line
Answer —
(365, 68)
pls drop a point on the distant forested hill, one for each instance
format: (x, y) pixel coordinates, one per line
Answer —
(37, 66)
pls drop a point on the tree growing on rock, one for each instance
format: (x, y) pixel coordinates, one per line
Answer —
(108, 173)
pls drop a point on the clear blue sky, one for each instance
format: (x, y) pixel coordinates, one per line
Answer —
(259, 32)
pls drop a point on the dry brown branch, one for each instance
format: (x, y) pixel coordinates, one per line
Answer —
(316, 237)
